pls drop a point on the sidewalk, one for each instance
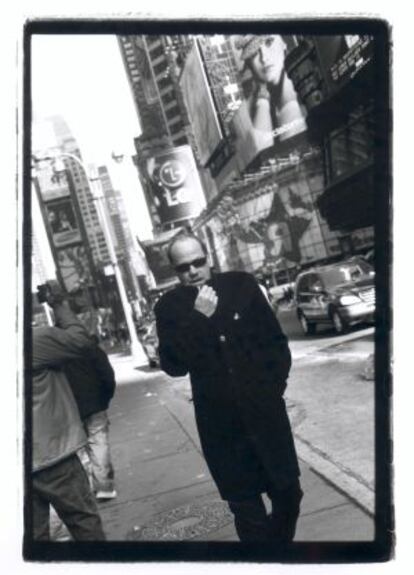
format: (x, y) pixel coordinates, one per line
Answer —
(165, 492)
(333, 415)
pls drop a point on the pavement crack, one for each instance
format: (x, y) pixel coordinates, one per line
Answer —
(323, 509)
(181, 449)
(183, 429)
(145, 498)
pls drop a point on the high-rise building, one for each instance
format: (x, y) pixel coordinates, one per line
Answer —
(54, 133)
(151, 64)
(171, 175)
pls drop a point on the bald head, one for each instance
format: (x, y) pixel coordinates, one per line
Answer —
(188, 256)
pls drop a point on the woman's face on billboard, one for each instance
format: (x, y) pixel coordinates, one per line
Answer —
(268, 62)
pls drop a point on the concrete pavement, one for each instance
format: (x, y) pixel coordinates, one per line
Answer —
(165, 492)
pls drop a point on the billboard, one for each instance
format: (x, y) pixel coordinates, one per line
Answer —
(73, 265)
(157, 259)
(342, 57)
(65, 230)
(271, 112)
(52, 186)
(172, 185)
(62, 222)
(200, 106)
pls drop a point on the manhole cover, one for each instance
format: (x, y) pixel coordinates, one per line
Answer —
(185, 522)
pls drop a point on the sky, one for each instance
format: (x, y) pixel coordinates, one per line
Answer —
(82, 78)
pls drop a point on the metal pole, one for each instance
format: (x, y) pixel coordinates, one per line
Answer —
(138, 354)
(48, 313)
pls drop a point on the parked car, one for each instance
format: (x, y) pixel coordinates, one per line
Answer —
(341, 294)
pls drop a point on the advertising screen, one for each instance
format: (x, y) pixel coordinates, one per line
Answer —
(271, 112)
(52, 186)
(200, 106)
(172, 185)
(73, 266)
(62, 222)
(157, 259)
(342, 57)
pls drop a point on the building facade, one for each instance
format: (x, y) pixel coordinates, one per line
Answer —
(54, 134)
(272, 171)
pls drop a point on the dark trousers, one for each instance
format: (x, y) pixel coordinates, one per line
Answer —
(65, 485)
(253, 524)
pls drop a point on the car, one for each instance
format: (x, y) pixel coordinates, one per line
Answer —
(339, 294)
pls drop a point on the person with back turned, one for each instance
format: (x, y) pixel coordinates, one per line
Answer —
(58, 478)
(221, 330)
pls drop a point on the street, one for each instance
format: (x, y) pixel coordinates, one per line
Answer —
(165, 492)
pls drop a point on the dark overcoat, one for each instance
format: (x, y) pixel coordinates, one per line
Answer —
(239, 362)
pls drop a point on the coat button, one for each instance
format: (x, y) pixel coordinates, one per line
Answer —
(222, 338)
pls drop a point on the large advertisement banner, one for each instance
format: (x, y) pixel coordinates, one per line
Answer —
(66, 235)
(172, 185)
(157, 259)
(74, 266)
(52, 186)
(62, 222)
(342, 57)
(271, 112)
(200, 106)
(279, 228)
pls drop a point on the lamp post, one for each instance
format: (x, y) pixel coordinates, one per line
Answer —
(118, 159)
(138, 355)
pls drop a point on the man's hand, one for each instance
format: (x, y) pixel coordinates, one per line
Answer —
(206, 301)
(55, 295)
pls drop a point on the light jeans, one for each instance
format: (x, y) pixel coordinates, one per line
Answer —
(96, 455)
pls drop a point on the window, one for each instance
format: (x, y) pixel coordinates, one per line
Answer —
(157, 51)
(164, 82)
(350, 146)
(161, 67)
(173, 112)
(303, 284)
(181, 141)
(169, 98)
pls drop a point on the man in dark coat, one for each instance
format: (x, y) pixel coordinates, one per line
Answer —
(221, 329)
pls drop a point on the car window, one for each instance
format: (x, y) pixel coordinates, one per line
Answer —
(303, 283)
(314, 282)
(335, 276)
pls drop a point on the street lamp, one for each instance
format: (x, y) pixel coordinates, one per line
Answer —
(138, 355)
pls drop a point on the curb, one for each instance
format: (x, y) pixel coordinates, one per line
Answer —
(342, 478)
(347, 338)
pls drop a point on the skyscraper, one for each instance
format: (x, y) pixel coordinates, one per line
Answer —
(54, 133)
(151, 64)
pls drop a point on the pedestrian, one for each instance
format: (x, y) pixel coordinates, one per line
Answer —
(221, 329)
(58, 478)
(92, 381)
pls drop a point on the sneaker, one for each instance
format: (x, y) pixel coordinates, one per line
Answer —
(102, 495)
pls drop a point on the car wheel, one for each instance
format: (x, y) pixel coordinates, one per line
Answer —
(307, 327)
(338, 323)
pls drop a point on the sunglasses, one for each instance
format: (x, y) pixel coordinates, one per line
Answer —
(198, 263)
